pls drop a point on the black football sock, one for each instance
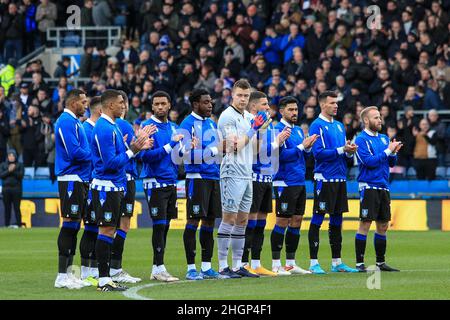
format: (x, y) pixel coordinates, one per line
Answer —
(117, 249)
(277, 239)
(159, 227)
(189, 239)
(207, 243)
(380, 242)
(103, 250)
(248, 239)
(66, 239)
(258, 239)
(360, 247)
(313, 238)
(87, 246)
(335, 238)
(292, 239)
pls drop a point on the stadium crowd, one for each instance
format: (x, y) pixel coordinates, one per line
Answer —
(299, 48)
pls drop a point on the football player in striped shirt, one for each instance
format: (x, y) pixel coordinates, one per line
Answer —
(89, 270)
(331, 153)
(110, 158)
(160, 175)
(202, 183)
(289, 188)
(376, 154)
(73, 169)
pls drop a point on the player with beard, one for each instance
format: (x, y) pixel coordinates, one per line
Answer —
(376, 154)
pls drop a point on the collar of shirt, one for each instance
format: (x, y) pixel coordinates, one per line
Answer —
(108, 118)
(196, 116)
(70, 112)
(241, 113)
(157, 120)
(286, 123)
(321, 116)
(92, 123)
(370, 133)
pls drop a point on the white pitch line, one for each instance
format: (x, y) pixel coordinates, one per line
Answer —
(132, 293)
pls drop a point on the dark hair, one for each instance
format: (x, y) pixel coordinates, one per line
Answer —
(159, 94)
(109, 95)
(124, 95)
(95, 103)
(196, 94)
(256, 95)
(324, 95)
(287, 100)
(74, 94)
(242, 84)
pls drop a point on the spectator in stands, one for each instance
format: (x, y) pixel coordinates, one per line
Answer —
(290, 41)
(206, 78)
(259, 75)
(46, 16)
(15, 119)
(43, 102)
(37, 84)
(25, 97)
(62, 68)
(7, 77)
(49, 144)
(425, 155)
(405, 126)
(87, 20)
(102, 13)
(238, 51)
(432, 99)
(11, 33)
(31, 38)
(4, 129)
(11, 173)
(439, 127)
(33, 140)
(127, 54)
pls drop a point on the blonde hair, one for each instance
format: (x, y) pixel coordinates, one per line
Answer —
(365, 112)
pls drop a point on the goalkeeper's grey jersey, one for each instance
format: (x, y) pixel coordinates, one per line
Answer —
(236, 165)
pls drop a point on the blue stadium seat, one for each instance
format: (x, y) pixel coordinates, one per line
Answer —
(42, 173)
(29, 173)
(71, 40)
(411, 174)
(440, 172)
(448, 172)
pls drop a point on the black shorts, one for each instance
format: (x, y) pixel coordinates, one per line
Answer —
(107, 207)
(262, 197)
(162, 203)
(330, 197)
(72, 195)
(89, 212)
(290, 201)
(203, 199)
(375, 205)
(127, 204)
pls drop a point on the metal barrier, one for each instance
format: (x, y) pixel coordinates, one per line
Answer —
(111, 35)
(444, 115)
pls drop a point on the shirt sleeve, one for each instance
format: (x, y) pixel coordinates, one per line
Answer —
(366, 156)
(320, 151)
(70, 137)
(106, 143)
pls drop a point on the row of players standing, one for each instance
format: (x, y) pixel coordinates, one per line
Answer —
(111, 197)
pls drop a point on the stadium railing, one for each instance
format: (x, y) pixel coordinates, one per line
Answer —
(444, 115)
(63, 37)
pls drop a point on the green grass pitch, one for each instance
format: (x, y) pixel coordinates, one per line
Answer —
(28, 266)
